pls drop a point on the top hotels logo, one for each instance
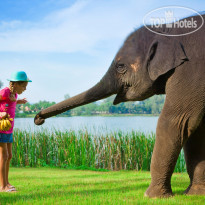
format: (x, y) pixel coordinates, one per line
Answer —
(170, 18)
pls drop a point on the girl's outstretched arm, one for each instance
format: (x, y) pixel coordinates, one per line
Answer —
(22, 101)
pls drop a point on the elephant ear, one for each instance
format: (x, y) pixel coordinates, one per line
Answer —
(164, 54)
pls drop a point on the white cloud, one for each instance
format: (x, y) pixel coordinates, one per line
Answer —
(77, 28)
(91, 27)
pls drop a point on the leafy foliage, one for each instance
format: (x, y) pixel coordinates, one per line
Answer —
(1, 84)
(152, 105)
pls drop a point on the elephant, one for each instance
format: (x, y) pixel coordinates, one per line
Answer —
(148, 64)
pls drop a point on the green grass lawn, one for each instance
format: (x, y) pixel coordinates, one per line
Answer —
(64, 186)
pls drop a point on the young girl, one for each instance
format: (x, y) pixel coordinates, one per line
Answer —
(8, 101)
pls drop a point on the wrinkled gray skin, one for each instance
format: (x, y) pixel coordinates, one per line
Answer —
(149, 64)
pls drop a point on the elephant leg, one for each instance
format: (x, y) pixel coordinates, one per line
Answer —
(194, 150)
(166, 151)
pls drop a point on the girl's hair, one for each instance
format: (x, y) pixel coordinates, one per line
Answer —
(11, 85)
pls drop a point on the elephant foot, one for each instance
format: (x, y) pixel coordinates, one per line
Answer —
(195, 189)
(158, 192)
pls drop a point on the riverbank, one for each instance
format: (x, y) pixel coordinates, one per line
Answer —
(23, 115)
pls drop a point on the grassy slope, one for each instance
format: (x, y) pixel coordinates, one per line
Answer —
(63, 186)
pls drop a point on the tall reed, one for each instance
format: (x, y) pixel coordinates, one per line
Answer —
(112, 151)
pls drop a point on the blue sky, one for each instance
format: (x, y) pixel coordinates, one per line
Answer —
(66, 46)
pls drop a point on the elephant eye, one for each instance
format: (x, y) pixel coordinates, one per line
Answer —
(121, 68)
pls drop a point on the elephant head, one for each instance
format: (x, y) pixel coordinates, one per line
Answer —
(138, 71)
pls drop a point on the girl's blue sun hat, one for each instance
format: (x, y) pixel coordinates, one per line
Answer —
(19, 76)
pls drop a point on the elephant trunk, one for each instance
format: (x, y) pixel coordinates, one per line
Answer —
(105, 88)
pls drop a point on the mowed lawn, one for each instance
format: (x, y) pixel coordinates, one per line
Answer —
(64, 186)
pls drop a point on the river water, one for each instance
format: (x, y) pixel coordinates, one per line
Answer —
(92, 124)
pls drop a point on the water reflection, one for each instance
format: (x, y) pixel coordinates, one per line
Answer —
(92, 124)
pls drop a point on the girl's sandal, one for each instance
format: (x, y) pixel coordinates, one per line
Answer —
(8, 190)
(11, 186)
(11, 190)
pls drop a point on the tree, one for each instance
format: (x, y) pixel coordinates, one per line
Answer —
(66, 96)
(66, 113)
(1, 84)
(152, 105)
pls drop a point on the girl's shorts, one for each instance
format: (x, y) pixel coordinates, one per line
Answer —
(6, 138)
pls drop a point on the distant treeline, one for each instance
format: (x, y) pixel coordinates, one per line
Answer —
(152, 106)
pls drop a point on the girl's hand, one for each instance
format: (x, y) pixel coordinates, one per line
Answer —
(3, 115)
(22, 101)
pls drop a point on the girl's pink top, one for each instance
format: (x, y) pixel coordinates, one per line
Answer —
(6, 105)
